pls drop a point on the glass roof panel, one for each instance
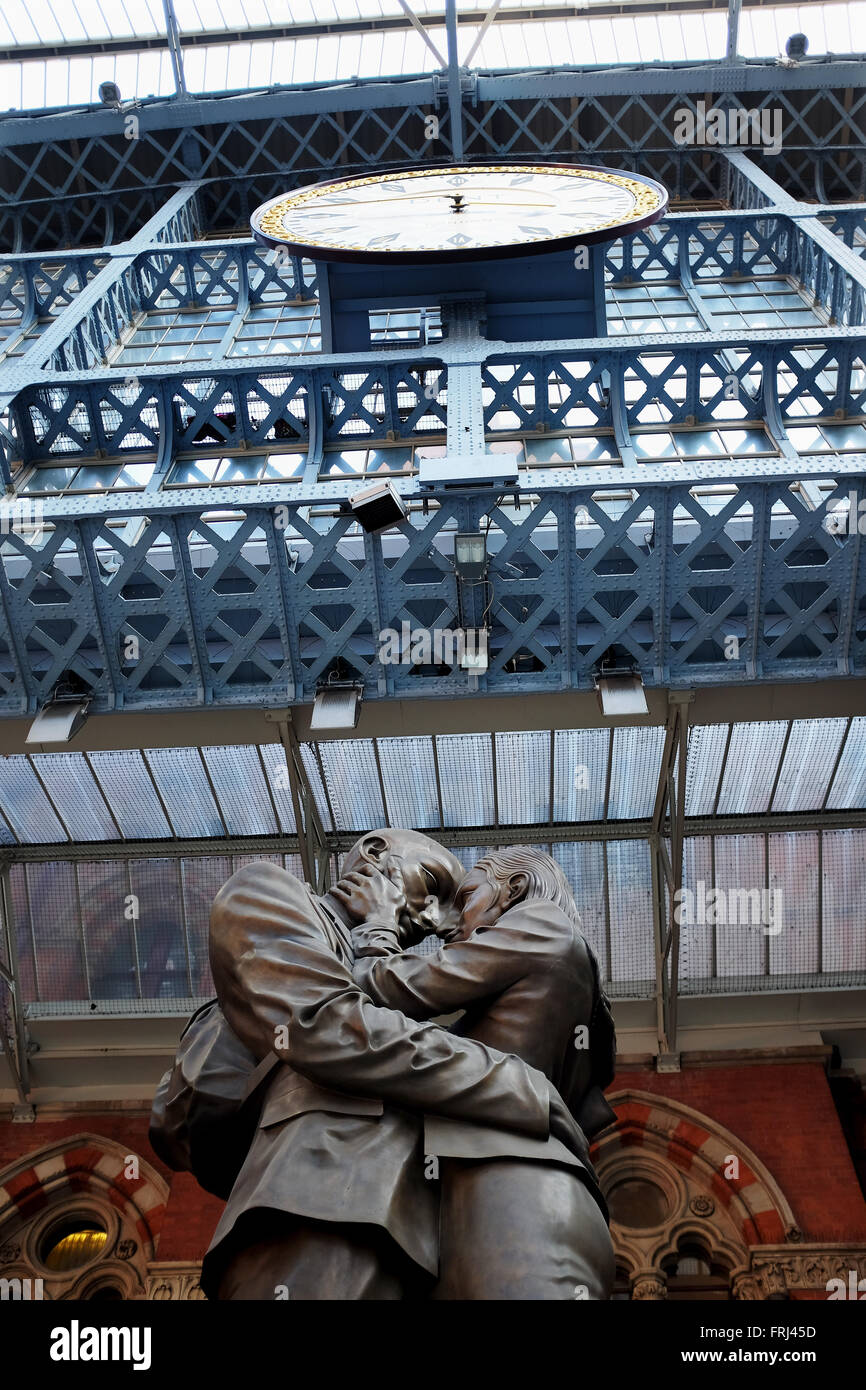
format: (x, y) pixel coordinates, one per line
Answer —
(274, 758)
(314, 776)
(241, 790)
(830, 28)
(704, 767)
(466, 775)
(697, 962)
(843, 940)
(130, 793)
(250, 62)
(161, 929)
(582, 862)
(409, 778)
(807, 767)
(792, 930)
(635, 772)
(25, 805)
(53, 900)
(632, 952)
(523, 778)
(110, 933)
(80, 804)
(849, 783)
(740, 949)
(183, 786)
(750, 769)
(580, 774)
(353, 783)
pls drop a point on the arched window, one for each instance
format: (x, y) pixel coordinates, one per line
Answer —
(85, 1227)
(693, 1273)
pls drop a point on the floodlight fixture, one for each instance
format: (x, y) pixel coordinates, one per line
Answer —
(620, 689)
(337, 706)
(378, 506)
(470, 555)
(63, 713)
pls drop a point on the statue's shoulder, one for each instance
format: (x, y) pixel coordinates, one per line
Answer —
(262, 879)
(543, 923)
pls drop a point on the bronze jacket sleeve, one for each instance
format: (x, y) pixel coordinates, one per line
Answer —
(274, 970)
(461, 972)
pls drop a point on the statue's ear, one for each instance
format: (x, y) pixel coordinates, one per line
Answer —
(374, 848)
(517, 887)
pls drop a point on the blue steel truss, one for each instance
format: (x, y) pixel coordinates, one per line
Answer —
(76, 178)
(175, 597)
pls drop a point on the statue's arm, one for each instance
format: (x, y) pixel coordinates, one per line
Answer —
(279, 982)
(459, 973)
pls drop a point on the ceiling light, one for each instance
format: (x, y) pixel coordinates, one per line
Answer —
(336, 706)
(470, 554)
(378, 506)
(620, 693)
(63, 713)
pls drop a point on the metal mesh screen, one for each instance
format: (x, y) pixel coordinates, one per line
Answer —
(761, 911)
(523, 778)
(352, 780)
(580, 774)
(119, 935)
(466, 775)
(409, 778)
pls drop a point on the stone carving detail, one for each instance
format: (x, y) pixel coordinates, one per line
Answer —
(649, 1286)
(747, 1287)
(778, 1270)
(702, 1205)
(175, 1283)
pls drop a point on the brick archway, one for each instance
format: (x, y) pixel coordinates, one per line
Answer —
(82, 1176)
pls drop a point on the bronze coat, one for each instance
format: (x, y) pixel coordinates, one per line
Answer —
(526, 983)
(338, 1139)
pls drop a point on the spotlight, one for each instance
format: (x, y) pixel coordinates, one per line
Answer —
(620, 689)
(337, 706)
(796, 46)
(63, 713)
(378, 506)
(470, 555)
(109, 93)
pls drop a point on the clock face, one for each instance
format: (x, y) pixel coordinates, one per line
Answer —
(469, 212)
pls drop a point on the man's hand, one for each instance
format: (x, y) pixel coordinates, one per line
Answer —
(564, 1127)
(369, 896)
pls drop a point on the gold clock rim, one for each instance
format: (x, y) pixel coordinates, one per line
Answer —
(647, 200)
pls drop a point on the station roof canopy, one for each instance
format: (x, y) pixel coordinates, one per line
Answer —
(56, 53)
(575, 778)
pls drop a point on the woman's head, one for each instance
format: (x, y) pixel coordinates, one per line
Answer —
(506, 877)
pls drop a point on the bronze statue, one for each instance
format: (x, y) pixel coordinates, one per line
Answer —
(520, 1218)
(331, 1200)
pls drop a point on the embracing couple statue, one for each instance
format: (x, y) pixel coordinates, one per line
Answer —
(366, 1151)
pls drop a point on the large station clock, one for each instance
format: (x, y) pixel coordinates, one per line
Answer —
(462, 213)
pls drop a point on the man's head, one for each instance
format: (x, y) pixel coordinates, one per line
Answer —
(502, 879)
(429, 873)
